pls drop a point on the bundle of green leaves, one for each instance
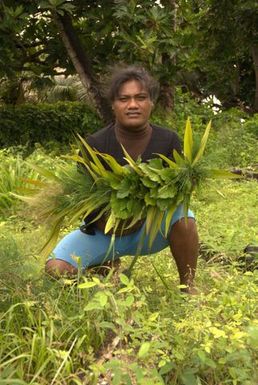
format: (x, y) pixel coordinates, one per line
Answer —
(123, 194)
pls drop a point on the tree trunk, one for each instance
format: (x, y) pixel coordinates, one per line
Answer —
(255, 61)
(167, 95)
(82, 64)
(167, 89)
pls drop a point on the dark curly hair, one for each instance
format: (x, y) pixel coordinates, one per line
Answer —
(126, 74)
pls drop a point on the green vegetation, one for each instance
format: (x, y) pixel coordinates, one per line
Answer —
(113, 330)
(43, 123)
(125, 195)
(96, 330)
(177, 41)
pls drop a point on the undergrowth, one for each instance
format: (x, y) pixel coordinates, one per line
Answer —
(95, 330)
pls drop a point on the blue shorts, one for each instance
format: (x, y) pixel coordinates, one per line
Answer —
(84, 250)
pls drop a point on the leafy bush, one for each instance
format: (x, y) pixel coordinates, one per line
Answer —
(252, 125)
(231, 143)
(185, 106)
(28, 124)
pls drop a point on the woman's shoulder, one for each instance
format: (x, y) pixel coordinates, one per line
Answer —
(99, 138)
(163, 131)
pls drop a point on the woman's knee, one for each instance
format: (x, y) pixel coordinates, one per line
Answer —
(57, 268)
(184, 228)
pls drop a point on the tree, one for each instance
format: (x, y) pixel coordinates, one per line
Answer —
(182, 42)
(139, 32)
(40, 55)
(224, 53)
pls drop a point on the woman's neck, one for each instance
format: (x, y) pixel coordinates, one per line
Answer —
(123, 133)
(135, 142)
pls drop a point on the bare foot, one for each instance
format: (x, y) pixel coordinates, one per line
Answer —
(192, 290)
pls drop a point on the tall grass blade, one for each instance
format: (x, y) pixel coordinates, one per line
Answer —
(223, 174)
(63, 362)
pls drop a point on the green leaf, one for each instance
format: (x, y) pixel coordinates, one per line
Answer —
(144, 349)
(168, 161)
(124, 279)
(188, 377)
(87, 285)
(44, 172)
(203, 144)
(151, 173)
(124, 188)
(188, 141)
(147, 182)
(114, 165)
(155, 226)
(166, 368)
(149, 201)
(168, 174)
(131, 162)
(102, 298)
(150, 218)
(224, 174)
(155, 164)
(178, 158)
(110, 223)
(98, 302)
(167, 191)
(168, 218)
(163, 203)
(101, 169)
(52, 239)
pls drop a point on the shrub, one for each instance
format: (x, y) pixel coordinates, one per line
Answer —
(232, 143)
(28, 124)
(252, 125)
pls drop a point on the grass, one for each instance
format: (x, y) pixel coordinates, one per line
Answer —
(140, 331)
(110, 330)
(227, 216)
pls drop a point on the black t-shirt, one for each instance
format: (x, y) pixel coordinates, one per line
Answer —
(162, 141)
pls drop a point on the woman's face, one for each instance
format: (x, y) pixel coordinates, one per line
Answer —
(132, 107)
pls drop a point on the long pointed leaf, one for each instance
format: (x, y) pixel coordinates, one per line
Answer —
(110, 223)
(93, 155)
(188, 141)
(168, 161)
(44, 172)
(223, 174)
(114, 165)
(169, 215)
(178, 158)
(131, 162)
(203, 144)
(150, 218)
(155, 228)
(52, 239)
